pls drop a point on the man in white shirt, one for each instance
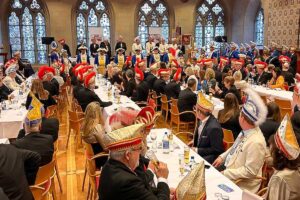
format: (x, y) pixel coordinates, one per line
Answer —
(149, 47)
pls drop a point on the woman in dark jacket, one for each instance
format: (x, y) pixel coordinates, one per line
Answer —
(229, 116)
(229, 87)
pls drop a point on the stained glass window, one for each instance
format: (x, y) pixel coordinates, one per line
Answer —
(259, 27)
(153, 13)
(92, 13)
(209, 23)
(26, 27)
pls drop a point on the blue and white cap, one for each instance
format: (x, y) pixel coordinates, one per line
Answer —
(254, 108)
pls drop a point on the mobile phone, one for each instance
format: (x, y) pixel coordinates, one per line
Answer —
(225, 188)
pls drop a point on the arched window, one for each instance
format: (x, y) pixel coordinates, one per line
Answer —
(153, 13)
(92, 13)
(209, 22)
(26, 27)
(259, 27)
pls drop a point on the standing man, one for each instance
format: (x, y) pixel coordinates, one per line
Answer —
(94, 47)
(105, 44)
(149, 47)
(234, 53)
(245, 159)
(136, 45)
(293, 64)
(66, 47)
(120, 44)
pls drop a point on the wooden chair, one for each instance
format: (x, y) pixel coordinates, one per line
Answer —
(165, 105)
(265, 99)
(186, 137)
(45, 179)
(284, 106)
(175, 116)
(156, 99)
(74, 124)
(92, 171)
(51, 111)
(56, 167)
(228, 138)
(262, 192)
(39, 193)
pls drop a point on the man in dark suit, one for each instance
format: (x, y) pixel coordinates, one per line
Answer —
(293, 64)
(142, 88)
(172, 89)
(105, 44)
(287, 74)
(151, 77)
(93, 48)
(18, 168)
(46, 75)
(128, 87)
(50, 126)
(262, 76)
(87, 95)
(118, 177)
(159, 84)
(65, 46)
(121, 44)
(187, 99)
(208, 140)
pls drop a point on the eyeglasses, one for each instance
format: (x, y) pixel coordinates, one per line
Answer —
(137, 149)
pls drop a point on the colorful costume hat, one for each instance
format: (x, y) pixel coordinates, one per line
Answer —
(177, 75)
(82, 47)
(10, 68)
(35, 111)
(204, 103)
(124, 138)
(260, 64)
(44, 70)
(163, 72)
(192, 186)
(89, 78)
(286, 140)
(139, 74)
(102, 49)
(254, 108)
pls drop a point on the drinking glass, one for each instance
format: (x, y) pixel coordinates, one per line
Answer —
(181, 164)
(153, 137)
(152, 157)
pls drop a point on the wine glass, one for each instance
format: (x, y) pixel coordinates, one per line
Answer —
(152, 157)
(153, 137)
(181, 164)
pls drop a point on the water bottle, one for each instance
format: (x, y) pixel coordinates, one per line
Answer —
(166, 143)
(192, 162)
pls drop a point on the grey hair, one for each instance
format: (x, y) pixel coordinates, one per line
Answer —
(129, 73)
(118, 155)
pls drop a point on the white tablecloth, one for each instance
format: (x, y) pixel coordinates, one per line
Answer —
(125, 102)
(11, 120)
(279, 94)
(212, 177)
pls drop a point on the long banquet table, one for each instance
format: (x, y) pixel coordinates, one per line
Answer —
(273, 93)
(212, 177)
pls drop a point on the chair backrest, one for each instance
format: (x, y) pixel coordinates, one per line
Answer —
(264, 98)
(164, 102)
(45, 173)
(91, 164)
(284, 106)
(228, 138)
(39, 193)
(51, 111)
(174, 111)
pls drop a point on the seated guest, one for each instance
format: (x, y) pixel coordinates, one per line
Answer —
(208, 140)
(284, 183)
(45, 74)
(159, 84)
(262, 76)
(18, 168)
(93, 130)
(117, 78)
(9, 81)
(245, 159)
(229, 87)
(118, 178)
(270, 126)
(287, 75)
(229, 116)
(187, 99)
(24, 69)
(33, 140)
(172, 89)
(142, 89)
(209, 80)
(151, 78)
(40, 93)
(128, 86)
(277, 80)
(5, 92)
(87, 95)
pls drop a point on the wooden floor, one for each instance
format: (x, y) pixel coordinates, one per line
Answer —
(71, 162)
